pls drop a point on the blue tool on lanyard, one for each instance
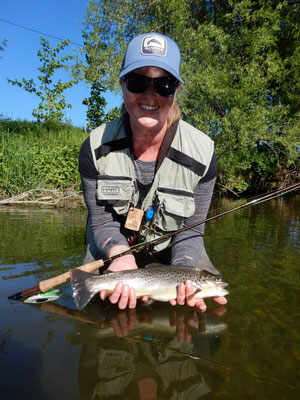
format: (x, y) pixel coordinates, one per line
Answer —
(149, 214)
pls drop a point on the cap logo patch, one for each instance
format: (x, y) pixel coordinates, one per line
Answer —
(154, 46)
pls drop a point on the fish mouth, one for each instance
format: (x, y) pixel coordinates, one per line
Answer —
(223, 285)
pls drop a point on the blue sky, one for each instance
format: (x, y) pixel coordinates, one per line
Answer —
(59, 18)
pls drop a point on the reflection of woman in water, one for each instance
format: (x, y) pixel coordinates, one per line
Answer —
(157, 366)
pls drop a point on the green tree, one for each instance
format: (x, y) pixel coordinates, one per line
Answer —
(112, 114)
(96, 104)
(52, 98)
(93, 71)
(240, 64)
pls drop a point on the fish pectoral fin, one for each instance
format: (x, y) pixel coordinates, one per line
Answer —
(193, 294)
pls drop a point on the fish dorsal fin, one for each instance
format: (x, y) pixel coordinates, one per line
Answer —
(204, 271)
(153, 265)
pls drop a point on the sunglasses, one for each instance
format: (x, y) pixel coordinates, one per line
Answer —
(164, 86)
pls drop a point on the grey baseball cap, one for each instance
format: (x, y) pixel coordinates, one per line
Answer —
(152, 50)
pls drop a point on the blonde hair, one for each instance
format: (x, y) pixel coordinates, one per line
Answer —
(174, 115)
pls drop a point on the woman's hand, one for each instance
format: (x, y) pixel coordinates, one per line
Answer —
(122, 294)
(122, 322)
(185, 290)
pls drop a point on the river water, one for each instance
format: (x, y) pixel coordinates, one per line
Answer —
(248, 349)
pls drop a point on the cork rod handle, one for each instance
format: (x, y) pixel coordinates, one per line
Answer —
(65, 277)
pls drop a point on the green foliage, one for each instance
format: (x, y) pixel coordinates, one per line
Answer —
(52, 100)
(112, 114)
(96, 104)
(240, 64)
(92, 72)
(28, 159)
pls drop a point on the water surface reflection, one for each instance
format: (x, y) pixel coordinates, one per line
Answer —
(251, 349)
(148, 353)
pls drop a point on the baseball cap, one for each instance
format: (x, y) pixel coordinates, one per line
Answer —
(152, 50)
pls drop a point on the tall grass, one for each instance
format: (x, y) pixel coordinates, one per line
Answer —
(38, 156)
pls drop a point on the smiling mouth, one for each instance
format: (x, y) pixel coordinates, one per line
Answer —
(148, 108)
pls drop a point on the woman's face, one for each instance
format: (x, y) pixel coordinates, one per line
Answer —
(148, 109)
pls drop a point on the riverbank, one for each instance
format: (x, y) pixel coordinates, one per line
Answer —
(46, 198)
(39, 165)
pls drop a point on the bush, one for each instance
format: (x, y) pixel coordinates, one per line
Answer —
(33, 156)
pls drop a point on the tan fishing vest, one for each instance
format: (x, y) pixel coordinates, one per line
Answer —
(171, 193)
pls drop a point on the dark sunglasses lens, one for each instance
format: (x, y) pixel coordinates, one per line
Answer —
(136, 83)
(165, 86)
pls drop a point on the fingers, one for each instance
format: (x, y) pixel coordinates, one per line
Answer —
(181, 294)
(103, 294)
(120, 326)
(145, 300)
(124, 322)
(200, 305)
(185, 293)
(189, 291)
(182, 332)
(122, 294)
(132, 298)
(185, 323)
(219, 311)
(220, 300)
(191, 300)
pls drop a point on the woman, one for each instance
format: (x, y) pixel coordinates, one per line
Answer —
(148, 172)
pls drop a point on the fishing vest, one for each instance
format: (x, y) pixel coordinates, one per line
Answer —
(186, 161)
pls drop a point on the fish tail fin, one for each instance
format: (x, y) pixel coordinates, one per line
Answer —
(81, 294)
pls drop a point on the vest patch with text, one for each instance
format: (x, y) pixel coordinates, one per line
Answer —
(110, 190)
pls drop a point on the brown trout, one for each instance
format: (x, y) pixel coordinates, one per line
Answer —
(157, 281)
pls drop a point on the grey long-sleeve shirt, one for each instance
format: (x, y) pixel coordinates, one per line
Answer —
(106, 224)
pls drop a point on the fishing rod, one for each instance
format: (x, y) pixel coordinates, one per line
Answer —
(48, 284)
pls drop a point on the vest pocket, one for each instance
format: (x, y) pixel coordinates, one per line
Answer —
(117, 191)
(175, 207)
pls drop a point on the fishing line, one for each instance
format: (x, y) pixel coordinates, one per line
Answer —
(215, 364)
(277, 195)
(253, 201)
(260, 196)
